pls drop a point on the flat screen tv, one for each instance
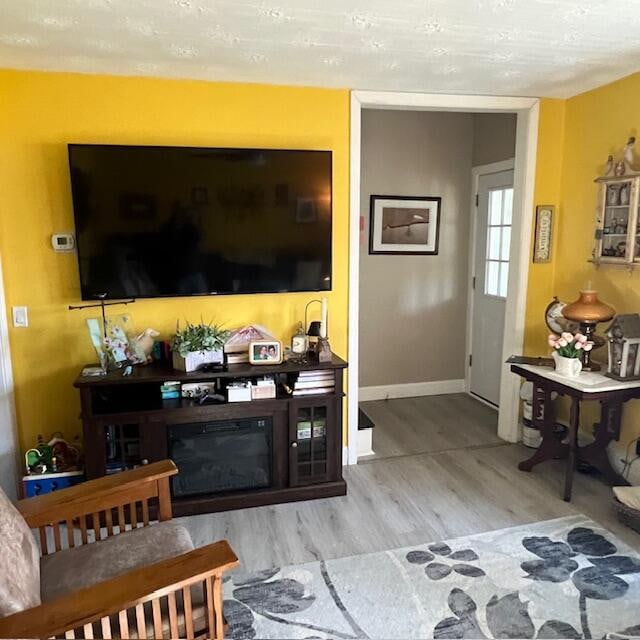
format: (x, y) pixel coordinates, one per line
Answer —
(178, 221)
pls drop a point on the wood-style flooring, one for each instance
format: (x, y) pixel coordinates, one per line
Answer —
(413, 498)
(406, 426)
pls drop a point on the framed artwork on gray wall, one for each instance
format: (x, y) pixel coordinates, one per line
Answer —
(404, 225)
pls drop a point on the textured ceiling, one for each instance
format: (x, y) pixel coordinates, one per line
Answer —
(499, 47)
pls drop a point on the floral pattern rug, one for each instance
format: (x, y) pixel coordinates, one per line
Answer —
(564, 578)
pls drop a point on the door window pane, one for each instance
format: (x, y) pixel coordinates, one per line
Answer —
(494, 243)
(492, 280)
(498, 242)
(495, 207)
(504, 279)
(507, 208)
(506, 243)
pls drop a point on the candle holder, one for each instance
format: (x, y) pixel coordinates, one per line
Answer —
(317, 332)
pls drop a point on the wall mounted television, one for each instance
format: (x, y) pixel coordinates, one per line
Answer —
(183, 221)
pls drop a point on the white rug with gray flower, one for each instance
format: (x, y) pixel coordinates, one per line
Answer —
(564, 578)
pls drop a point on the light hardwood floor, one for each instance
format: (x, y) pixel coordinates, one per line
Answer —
(407, 500)
(429, 424)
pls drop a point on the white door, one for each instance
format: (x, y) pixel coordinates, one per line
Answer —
(491, 275)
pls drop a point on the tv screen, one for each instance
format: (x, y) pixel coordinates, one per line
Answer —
(176, 221)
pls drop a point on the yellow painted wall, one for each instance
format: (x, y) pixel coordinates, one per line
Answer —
(573, 154)
(41, 113)
(546, 191)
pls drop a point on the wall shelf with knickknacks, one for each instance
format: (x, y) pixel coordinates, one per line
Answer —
(617, 232)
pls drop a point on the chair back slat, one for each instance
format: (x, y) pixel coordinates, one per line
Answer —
(105, 626)
(173, 615)
(124, 625)
(141, 622)
(158, 631)
(188, 612)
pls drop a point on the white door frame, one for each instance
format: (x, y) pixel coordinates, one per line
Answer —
(527, 110)
(9, 467)
(476, 172)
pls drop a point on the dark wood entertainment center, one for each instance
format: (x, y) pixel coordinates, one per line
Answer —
(126, 422)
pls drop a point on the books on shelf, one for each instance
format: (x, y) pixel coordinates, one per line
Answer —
(314, 384)
(312, 392)
(310, 383)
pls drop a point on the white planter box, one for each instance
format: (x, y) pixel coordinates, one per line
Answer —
(197, 359)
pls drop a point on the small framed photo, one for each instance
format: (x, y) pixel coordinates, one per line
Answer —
(404, 224)
(544, 233)
(265, 352)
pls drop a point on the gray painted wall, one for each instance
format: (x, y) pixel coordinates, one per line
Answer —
(412, 308)
(494, 137)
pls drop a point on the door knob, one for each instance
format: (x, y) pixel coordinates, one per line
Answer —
(294, 445)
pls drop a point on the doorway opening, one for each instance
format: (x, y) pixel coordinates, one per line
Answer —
(504, 275)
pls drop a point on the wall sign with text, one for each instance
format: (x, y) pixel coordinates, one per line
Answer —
(544, 233)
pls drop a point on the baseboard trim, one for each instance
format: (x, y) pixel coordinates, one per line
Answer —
(411, 390)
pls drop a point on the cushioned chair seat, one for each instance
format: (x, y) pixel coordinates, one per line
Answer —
(72, 569)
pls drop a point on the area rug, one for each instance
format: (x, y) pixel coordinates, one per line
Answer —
(563, 578)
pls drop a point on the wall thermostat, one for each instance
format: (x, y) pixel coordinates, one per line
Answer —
(63, 242)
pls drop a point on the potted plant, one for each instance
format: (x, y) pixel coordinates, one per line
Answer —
(197, 345)
(567, 352)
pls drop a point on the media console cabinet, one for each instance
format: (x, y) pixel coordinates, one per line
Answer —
(230, 455)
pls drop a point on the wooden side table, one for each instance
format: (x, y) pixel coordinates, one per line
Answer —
(589, 386)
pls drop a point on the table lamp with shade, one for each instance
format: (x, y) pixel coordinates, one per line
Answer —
(587, 310)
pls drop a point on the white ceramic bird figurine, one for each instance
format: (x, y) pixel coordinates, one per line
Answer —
(608, 168)
(629, 156)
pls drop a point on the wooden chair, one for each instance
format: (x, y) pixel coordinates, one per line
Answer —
(87, 534)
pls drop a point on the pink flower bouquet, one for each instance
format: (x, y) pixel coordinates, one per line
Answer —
(569, 345)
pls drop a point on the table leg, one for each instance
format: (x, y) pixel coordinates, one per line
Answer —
(607, 430)
(550, 448)
(574, 422)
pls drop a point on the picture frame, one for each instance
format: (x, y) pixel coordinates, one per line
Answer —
(543, 237)
(265, 352)
(404, 225)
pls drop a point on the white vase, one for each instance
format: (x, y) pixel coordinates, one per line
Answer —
(197, 359)
(567, 367)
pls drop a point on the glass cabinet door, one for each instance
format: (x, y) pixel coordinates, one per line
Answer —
(616, 232)
(308, 462)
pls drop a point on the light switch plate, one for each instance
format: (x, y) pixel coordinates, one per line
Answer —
(20, 317)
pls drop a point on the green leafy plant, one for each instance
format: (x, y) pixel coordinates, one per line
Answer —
(198, 337)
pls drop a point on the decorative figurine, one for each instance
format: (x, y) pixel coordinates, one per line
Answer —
(629, 156)
(142, 346)
(613, 195)
(608, 168)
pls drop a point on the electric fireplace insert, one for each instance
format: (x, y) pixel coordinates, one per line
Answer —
(223, 456)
